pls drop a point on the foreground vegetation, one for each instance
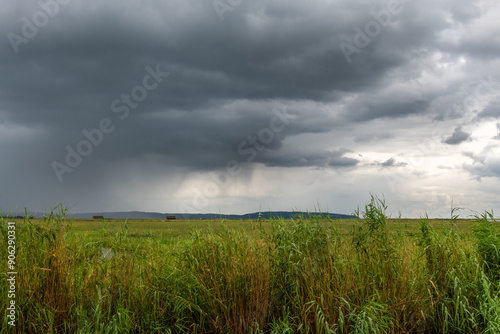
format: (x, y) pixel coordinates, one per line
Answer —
(308, 275)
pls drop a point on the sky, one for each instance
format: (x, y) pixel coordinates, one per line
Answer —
(238, 106)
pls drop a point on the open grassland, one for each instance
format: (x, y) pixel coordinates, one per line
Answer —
(307, 275)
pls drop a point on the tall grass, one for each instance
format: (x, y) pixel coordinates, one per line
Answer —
(298, 276)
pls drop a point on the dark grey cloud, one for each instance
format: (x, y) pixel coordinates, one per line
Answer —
(326, 159)
(367, 109)
(391, 162)
(459, 136)
(226, 79)
(365, 138)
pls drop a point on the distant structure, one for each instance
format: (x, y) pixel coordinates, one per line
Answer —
(171, 217)
(98, 217)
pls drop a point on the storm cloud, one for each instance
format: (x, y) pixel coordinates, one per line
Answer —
(135, 105)
(458, 136)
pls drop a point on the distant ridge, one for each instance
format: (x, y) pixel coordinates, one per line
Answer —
(157, 215)
(255, 215)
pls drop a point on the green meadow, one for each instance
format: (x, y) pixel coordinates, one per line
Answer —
(373, 274)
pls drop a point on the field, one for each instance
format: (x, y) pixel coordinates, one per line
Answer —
(308, 275)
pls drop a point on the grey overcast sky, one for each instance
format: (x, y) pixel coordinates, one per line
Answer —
(235, 106)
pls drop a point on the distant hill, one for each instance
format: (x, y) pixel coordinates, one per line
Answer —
(157, 215)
